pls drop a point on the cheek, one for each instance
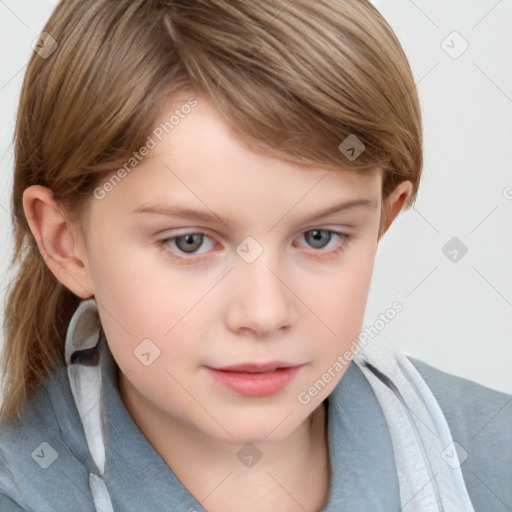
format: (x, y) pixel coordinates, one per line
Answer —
(339, 302)
(344, 291)
(141, 310)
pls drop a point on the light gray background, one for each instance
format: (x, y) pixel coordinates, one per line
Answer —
(457, 314)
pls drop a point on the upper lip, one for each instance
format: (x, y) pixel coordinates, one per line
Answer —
(256, 367)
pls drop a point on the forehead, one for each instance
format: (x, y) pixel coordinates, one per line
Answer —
(197, 159)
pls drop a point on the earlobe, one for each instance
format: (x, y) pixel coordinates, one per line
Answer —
(56, 240)
(393, 204)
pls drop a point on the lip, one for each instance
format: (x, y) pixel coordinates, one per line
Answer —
(255, 379)
(256, 367)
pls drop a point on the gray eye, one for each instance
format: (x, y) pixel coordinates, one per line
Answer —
(189, 243)
(318, 238)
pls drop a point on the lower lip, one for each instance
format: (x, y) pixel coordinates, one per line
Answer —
(255, 384)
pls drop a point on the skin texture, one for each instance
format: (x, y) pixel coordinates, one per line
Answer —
(299, 301)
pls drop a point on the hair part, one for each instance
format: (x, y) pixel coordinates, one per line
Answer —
(294, 79)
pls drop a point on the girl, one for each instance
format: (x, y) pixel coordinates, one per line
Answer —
(143, 373)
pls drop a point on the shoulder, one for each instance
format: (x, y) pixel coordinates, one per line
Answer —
(43, 456)
(480, 421)
(7, 505)
(478, 410)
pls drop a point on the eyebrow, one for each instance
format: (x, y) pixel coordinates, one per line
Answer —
(182, 212)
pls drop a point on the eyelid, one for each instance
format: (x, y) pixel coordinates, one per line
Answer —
(192, 258)
(179, 232)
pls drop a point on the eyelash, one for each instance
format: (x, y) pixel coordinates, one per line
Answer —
(320, 253)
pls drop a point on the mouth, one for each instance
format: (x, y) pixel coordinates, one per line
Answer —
(255, 379)
(257, 367)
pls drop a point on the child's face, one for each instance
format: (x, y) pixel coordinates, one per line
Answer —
(299, 301)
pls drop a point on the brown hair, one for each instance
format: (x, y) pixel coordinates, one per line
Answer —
(294, 78)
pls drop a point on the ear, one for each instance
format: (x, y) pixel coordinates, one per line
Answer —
(57, 240)
(392, 205)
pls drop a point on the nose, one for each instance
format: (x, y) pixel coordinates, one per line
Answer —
(261, 301)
